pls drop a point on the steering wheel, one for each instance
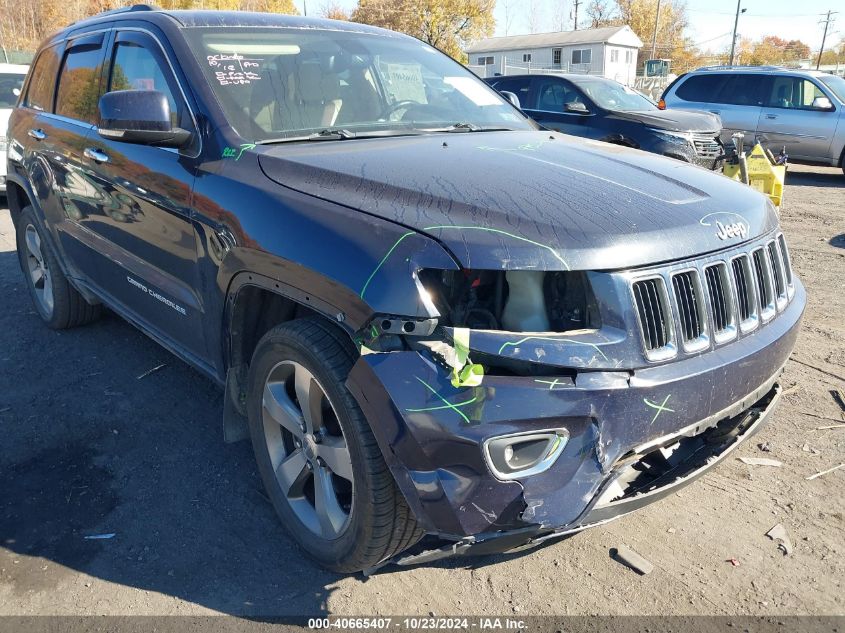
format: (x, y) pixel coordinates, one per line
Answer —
(404, 103)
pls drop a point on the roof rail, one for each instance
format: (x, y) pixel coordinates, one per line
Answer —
(738, 67)
(134, 7)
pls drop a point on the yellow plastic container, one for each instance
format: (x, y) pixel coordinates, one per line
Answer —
(762, 175)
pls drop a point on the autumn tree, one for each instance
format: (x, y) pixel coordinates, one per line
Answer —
(448, 25)
(333, 11)
(776, 50)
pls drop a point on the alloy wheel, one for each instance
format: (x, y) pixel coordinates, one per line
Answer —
(39, 272)
(307, 448)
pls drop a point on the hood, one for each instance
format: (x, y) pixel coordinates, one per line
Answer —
(516, 200)
(676, 120)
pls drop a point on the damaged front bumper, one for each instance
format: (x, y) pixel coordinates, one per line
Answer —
(633, 436)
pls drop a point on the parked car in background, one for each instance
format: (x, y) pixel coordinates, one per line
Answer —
(430, 315)
(803, 110)
(605, 110)
(11, 82)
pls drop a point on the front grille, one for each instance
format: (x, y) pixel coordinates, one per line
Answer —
(719, 294)
(649, 295)
(706, 145)
(780, 284)
(690, 313)
(763, 276)
(787, 264)
(718, 299)
(746, 295)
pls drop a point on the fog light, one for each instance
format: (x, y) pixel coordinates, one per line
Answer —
(524, 454)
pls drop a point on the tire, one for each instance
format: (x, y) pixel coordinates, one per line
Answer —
(364, 518)
(57, 302)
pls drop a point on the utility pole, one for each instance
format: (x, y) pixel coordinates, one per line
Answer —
(824, 37)
(305, 8)
(654, 35)
(736, 24)
(576, 3)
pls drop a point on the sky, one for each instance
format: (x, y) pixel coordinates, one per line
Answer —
(711, 21)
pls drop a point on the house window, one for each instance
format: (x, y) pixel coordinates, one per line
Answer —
(485, 61)
(582, 56)
(556, 53)
(628, 56)
(526, 57)
(614, 56)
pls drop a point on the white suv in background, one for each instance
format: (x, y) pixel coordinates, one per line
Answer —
(803, 110)
(11, 82)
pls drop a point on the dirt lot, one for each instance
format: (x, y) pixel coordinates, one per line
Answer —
(88, 448)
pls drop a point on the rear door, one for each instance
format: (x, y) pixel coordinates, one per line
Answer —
(142, 231)
(789, 118)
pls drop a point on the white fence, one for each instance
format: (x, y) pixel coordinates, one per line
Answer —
(507, 67)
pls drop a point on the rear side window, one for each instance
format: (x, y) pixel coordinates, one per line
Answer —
(79, 83)
(39, 95)
(732, 89)
(517, 86)
(701, 88)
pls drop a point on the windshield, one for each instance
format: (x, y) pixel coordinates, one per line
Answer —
(611, 95)
(836, 85)
(283, 84)
(10, 88)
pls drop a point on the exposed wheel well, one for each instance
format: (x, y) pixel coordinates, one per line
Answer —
(256, 311)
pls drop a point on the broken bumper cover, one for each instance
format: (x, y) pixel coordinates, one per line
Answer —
(618, 422)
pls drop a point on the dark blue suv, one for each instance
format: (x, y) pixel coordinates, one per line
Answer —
(445, 330)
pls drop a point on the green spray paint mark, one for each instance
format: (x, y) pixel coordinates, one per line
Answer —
(373, 331)
(660, 407)
(232, 152)
(448, 405)
(549, 338)
(460, 228)
(551, 383)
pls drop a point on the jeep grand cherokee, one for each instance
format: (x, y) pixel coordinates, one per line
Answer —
(430, 316)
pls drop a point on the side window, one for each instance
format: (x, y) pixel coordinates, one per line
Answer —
(517, 86)
(793, 92)
(39, 95)
(582, 56)
(79, 83)
(136, 67)
(702, 88)
(742, 89)
(614, 55)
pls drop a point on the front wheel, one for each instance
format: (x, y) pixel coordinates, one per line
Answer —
(316, 453)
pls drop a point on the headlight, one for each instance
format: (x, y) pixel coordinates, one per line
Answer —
(684, 138)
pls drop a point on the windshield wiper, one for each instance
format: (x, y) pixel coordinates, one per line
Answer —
(340, 134)
(332, 133)
(470, 127)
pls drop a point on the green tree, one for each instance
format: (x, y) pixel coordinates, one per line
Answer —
(448, 25)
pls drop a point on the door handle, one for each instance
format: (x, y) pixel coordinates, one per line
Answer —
(98, 156)
(771, 116)
(38, 134)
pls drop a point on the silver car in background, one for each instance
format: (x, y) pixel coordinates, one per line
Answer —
(11, 81)
(803, 110)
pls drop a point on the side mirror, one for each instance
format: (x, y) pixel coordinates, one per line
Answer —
(577, 107)
(139, 116)
(511, 96)
(822, 103)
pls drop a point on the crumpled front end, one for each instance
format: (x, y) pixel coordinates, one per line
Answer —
(628, 411)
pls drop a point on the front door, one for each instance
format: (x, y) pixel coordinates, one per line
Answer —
(552, 96)
(793, 118)
(143, 229)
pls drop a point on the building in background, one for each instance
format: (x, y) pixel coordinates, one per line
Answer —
(610, 52)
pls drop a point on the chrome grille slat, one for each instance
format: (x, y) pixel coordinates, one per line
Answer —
(689, 311)
(652, 311)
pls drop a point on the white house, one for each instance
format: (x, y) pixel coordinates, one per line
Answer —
(610, 52)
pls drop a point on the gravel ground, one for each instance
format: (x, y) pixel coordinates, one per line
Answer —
(90, 449)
